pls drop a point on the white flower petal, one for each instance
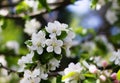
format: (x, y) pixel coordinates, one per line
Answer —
(58, 32)
(59, 42)
(48, 42)
(57, 50)
(50, 48)
(112, 58)
(117, 61)
(39, 50)
(27, 73)
(36, 72)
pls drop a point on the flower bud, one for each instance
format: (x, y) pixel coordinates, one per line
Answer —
(104, 63)
(93, 69)
(113, 76)
(103, 78)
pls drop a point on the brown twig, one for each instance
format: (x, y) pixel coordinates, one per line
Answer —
(62, 5)
(8, 69)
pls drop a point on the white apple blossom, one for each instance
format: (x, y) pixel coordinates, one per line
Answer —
(55, 28)
(31, 26)
(93, 69)
(53, 64)
(73, 68)
(54, 45)
(38, 42)
(4, 12)
(68, 42)
(13, 45)
(25, 59)
(72, 73)
(115, 57)
(31, 77)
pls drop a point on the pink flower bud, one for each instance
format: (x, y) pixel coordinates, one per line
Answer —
(93, 69)
(113, 76)
(116, 81)
(104, 63)
(103, 78)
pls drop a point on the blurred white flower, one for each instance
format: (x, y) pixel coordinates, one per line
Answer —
(3, 12)
(72, 72)
(32, 26)
(103, 78)
(38, 42)
(115, 4)
(52, 1)
(14, 45)
(101, 2)
(2, 60)
(116, 57)
(4, 63)
(31, 77)
(55, 28)
(111, 16)
(93, 69)
(54, 45)
(26, 59)
(33, 4)
(68, 42)
(53, 64)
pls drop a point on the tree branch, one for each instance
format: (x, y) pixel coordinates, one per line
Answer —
(62, 5)
(10, 5)
(9, 70)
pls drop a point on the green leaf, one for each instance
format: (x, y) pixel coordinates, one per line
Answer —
(22, 7)
(63, 35)
(72, 1)
(30, 66)
(68, 75)
(82, 31)
(44, 4)
(3, 23)
(45, 57)
(93, 3)
(59, 79)
(118, 75)
(28, 42)
(90, 75)
(89, 81)
(58, 57)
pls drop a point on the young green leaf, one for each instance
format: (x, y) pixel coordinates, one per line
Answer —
(44, 4)
(118, 75)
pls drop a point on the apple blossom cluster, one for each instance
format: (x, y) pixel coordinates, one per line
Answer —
(31, 26)
(80, 73)
(46, 49)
